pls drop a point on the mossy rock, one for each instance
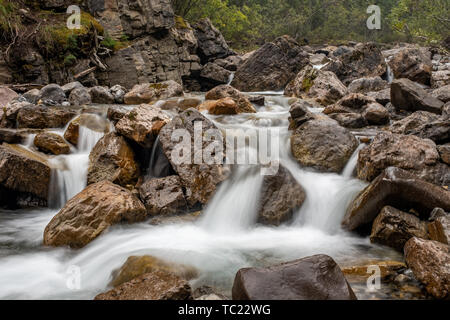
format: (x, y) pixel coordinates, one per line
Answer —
(180, 23)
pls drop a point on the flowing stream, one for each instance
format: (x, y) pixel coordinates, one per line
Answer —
(222, 241)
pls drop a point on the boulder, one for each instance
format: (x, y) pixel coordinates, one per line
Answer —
(80, 96)
(211, 43)
(411, 153)
(440, 78)
(200, 180)
(322, 86)
(323, 144)
(281, 196)
(163, 196)
(271, 67)
(142, 124)
(257, 100)
(212, 75)
(394, 228)
(40, 117)
(118, 93)
(225, 106)
(115, 113)
(69, 87)
(413, 122)
(90, 213)
(8, 113)
(376, 114)
(439, 229)
(312, 278)
(230, 63)
(101, 95)
(87, 120)
(366, 60)
(6, 96)
(350, 120)
(113, 159)
(300, 114)
(12, 136)
(355, 101)
(152, 92)
(53, 143)
(32, 96)
(187, 103)
(137, 266)
(444, 151)
(24, 177)
(430, 263)
(227, 91)
(156, 285)
(413, 64)
(383, 97)
(365, 85)
(52, 94)
(398, 188)
(407, 95)
(442, 93)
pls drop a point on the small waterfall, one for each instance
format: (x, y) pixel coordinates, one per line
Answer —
(350, 168)
(389, 73)
(231, 78)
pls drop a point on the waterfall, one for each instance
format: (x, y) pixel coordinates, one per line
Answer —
(350, 168)
(389, 73)
(231, 78)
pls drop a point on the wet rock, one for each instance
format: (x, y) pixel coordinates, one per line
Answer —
(413, 64)
(52, 94)
(366, 60)
(163, 196)
(407, 95)
(135, 267)
(39, 117)
(211, 43)
(257, 100)
(188, 103)
(118, 93)
(271, 67)
(156, 285)
(12, 136)
(23, 174)
(225, 106)
(101, 95)
(208, 293)
(142, 124)
(6, 96)
(350, 120)
(430, 263)
(51, 143)
(113, 159)
(322, 86)
(152, 92)
(376, 114)
(69, 87)
(90, 213)
(365, 85)
(442, 93)
(399, 188)
(80, 96)
(300, 114)
(281, 196)
(419, 156)
(394, 228)
(323, 144)
(312, 278)
(199, 180)
(87, 120)
(439, 229)
(226, 91)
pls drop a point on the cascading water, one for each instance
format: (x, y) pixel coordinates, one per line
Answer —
(223, 240)
(231, 78)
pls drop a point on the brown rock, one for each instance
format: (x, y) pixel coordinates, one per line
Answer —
(39, 117)
(355, 101)
(439, 229)
(6, 96)
(87, 120)
(152, 92)
(225, 91)
(225, 106)
(376, 114)
(350, 120)
(156, 285)
(413, 64)
(365, 85)
(399, 188)
(90, 213)
(142, 124)
(361, 272)
(394, 228)
(442, 93)
(312, 278)
(51, 143)
(163, 196)
(113, 159)
(444, 151)
(430, 263)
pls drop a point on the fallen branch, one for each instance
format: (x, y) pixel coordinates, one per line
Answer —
(84, 73)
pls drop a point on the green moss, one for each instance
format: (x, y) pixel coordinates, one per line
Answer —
(69, 60)
(158, 86)
(180, 23)
(308, 80)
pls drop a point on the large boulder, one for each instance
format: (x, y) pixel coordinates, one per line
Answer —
(163, 196)
(411, 63)
(152, 92)
(137, 266)
(113, 159)
(366, 60)
(39, 117)
(24, 177)
(156, 285)
(211, 43)
(9, 112)
(281, 196)
(300, 114)
(322, 86)
(142, 124)
(6, 96)
(271, 67)
(413, 122)
(212, 75)
(419, 156)
(53, 143)
(226, 91)
(430, 263)
(407, 95)
(90, 213)
(312, 278)
(101, 95)
(365, 85)
(376, 114)
(80, 96)
(394, 228)
(398, 188)
(200, 180)
(52, 94)
(323, 144)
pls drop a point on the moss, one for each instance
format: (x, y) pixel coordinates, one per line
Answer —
(308, 80)
(158, 86)
(69, 60)
(180, 23)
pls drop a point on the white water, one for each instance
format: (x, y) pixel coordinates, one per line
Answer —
(222, 241)
(230, 80)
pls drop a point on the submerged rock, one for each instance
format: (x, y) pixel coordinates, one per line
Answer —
(87, 215)
(51, 143)
(312, 278)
